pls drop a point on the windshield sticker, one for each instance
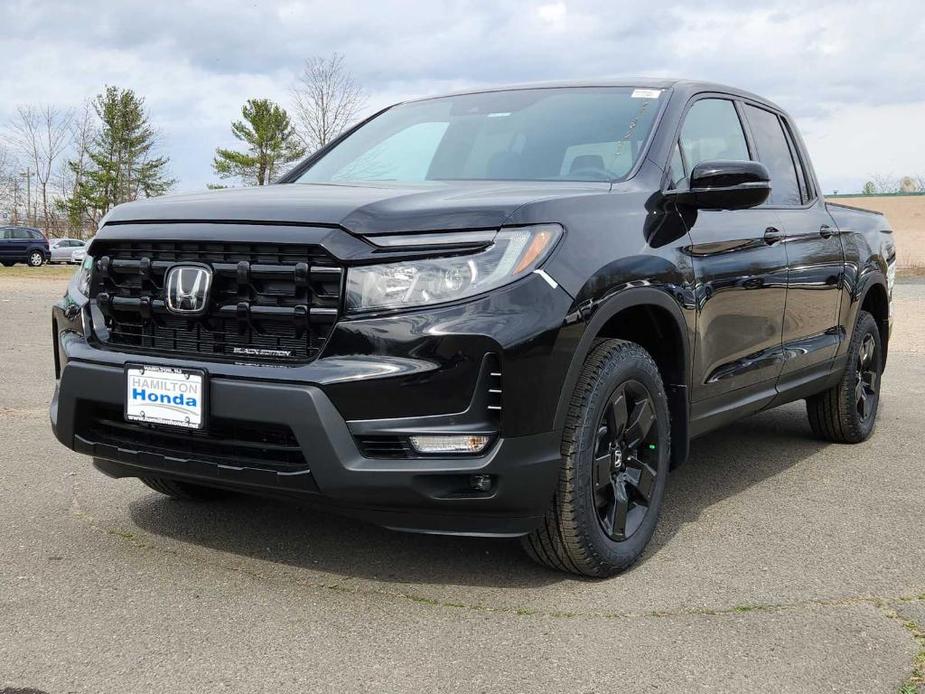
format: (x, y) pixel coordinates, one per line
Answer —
(646, 93)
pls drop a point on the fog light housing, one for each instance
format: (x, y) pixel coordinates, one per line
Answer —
(447, 443)
(480, 483)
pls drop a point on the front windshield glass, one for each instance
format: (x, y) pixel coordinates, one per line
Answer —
(560, 134)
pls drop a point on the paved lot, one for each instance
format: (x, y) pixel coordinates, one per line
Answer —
(781, 564)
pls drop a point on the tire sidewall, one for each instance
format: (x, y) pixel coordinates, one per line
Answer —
(617, 370)
(32, 257)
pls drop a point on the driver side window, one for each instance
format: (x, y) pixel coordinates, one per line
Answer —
(711, 132)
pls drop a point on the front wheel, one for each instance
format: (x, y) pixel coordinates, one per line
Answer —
(36, 259)
(846, 412)
(615, 450)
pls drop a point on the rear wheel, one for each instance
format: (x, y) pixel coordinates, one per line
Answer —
(8, 263)
(615, 452)
(846, 412)
(183, 490)
(36, 259)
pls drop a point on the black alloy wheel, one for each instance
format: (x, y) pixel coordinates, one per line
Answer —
(866, 391)
(625, 461)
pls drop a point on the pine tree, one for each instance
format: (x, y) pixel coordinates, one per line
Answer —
(271, 142)
(122, 162)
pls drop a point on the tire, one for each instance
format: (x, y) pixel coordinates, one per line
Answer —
(186, 491)
(36, 259)
(847, 412)
(608, 464)
(8, 263)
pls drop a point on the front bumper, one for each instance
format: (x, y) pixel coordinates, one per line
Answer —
(329, 405)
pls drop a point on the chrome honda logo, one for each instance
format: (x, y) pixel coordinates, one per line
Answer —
(187, 290)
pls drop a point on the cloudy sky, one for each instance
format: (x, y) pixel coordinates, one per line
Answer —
(850, 72)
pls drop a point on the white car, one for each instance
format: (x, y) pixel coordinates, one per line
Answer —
(78, 255)
(62, 250)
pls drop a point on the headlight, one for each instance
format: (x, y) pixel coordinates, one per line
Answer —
(82, 277)
(513, 254)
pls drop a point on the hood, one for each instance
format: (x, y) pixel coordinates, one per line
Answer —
(362, 209)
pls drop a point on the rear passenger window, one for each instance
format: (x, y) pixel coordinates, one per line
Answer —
(806, 187)
(712, 132)
(774, 152)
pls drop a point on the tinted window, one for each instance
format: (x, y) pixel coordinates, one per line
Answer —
(774, 152)
(588, 133)
(404, 156)
(20, 234)
(712, 132)
(36, 234)
(800, 158)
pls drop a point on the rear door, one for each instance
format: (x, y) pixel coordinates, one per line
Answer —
(18, 241)
(814, 251)
(740, 267)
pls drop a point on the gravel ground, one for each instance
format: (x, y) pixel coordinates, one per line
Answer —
(780, 564)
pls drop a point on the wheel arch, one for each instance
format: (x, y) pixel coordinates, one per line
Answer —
(875, 299)
(46, 253)
(651, 318)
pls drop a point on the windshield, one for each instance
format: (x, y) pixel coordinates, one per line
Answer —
(562, 134)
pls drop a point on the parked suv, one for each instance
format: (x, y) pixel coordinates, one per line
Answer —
(23, 245)
(499, 313)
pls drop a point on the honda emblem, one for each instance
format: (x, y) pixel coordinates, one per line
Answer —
(187, 289)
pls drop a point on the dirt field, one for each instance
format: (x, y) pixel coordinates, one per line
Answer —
(907, 217)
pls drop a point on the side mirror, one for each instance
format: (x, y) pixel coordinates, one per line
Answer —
(727, 185)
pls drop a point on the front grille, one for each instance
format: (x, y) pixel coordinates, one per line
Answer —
(233, 442)
(268, 302)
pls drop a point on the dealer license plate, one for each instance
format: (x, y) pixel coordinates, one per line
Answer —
(164, 395)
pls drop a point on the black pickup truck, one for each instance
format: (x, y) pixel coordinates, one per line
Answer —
(502, 313)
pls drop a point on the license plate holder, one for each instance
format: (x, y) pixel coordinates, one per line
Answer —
(166, 396)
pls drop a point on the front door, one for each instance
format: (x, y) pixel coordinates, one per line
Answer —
(740, 267)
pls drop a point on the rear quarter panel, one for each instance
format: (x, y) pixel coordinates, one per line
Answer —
(870, 259)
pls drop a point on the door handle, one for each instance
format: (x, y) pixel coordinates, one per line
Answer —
(826, 232)
(772, 235)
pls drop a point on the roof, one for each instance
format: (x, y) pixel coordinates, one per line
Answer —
(685, 86)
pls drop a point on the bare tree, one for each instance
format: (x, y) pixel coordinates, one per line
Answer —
(8, 186)
(41, 135)
(885, 183)
(83, 130)
(327, 100)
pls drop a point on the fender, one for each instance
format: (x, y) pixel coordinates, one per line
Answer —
(678, 393)
(866, 281)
